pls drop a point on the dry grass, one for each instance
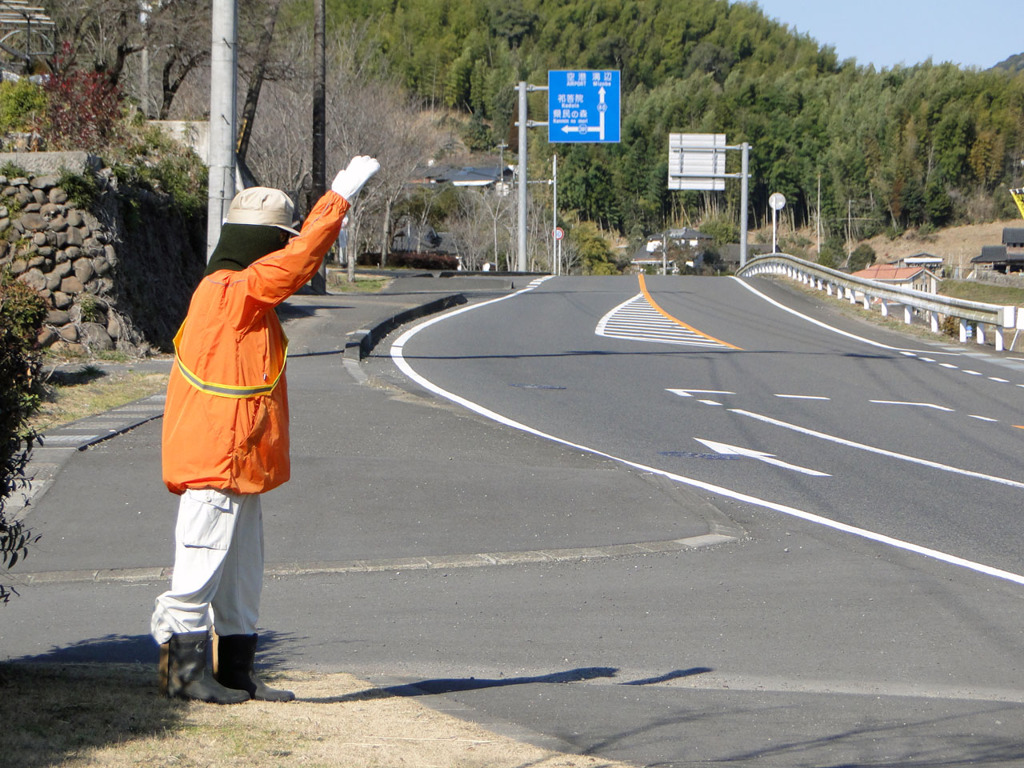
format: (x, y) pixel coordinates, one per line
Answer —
(86, 390)
(111, 716)
(337, 282)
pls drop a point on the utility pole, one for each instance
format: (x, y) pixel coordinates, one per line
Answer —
(817, 225)
(145, 8)
(319, 282)
(223, 89)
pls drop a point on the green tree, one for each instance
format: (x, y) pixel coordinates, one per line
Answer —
(596, 257)
(878, 139)
(863, 256)
(21, 316)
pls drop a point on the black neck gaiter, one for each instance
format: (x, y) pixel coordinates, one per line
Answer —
(242, 244)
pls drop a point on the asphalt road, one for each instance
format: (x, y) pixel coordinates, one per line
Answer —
(493, 572)
(909, 441)
(877, 479)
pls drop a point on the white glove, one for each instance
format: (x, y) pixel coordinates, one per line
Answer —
(348, 182)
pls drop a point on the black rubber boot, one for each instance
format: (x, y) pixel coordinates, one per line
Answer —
(233, 668)
(184, 673)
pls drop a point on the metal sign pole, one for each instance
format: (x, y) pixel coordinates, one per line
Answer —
(554, 214)
(777, 201)
(697, 162)
(521, 262)
(744, 202)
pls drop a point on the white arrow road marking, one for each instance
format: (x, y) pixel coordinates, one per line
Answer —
(915, 405)
(879, 451)
(692, 392)
(767, 458)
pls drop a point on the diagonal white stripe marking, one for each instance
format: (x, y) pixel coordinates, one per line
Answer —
(636, 320)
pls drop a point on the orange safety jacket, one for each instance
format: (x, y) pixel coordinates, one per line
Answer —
(225, 421)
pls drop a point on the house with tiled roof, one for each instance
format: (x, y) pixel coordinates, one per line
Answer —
(1008, 257)
(916, 277)
(496, 175)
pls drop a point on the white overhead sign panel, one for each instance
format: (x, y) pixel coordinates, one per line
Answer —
(696, 161)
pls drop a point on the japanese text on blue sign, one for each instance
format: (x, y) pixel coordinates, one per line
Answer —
(583, 106)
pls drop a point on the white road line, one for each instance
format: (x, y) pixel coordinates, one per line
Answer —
(913, 405)
(907, 352)
(802, 397)
(880, 451)
(906, 546)
(818, 323)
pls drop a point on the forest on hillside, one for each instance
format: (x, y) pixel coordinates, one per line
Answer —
(925, 145)
(858, 150)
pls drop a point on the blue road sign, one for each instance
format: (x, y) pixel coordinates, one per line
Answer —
(583, 105)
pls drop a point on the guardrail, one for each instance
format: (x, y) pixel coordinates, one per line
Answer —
(982, 321)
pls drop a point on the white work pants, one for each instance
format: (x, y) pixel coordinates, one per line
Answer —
(218, 567)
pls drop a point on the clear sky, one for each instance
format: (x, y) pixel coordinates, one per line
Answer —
(976, 33)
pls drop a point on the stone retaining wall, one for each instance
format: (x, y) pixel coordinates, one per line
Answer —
(117, 280)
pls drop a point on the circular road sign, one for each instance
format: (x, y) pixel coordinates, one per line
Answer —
(777, 201)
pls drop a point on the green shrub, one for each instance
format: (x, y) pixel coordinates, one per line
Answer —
(721, 229)
(12, 171)
(175, 171)
(22, 105)
(82, 188)
(409, 260)
(91, 308)
(862, 257)
(22, 312)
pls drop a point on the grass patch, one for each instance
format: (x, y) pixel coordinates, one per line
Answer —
(337, 282)
(970, 290)
(71, 394)
(112, 716)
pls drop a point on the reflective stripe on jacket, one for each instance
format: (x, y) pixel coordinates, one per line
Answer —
(230, 390)
(236, 440)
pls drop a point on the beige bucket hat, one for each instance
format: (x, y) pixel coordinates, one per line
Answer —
(263, 205)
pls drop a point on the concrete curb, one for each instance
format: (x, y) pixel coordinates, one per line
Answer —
(362, 341)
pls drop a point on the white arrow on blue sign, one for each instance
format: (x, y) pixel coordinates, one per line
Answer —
(583, 105)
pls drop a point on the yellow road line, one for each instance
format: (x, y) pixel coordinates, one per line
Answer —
(677, 321)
